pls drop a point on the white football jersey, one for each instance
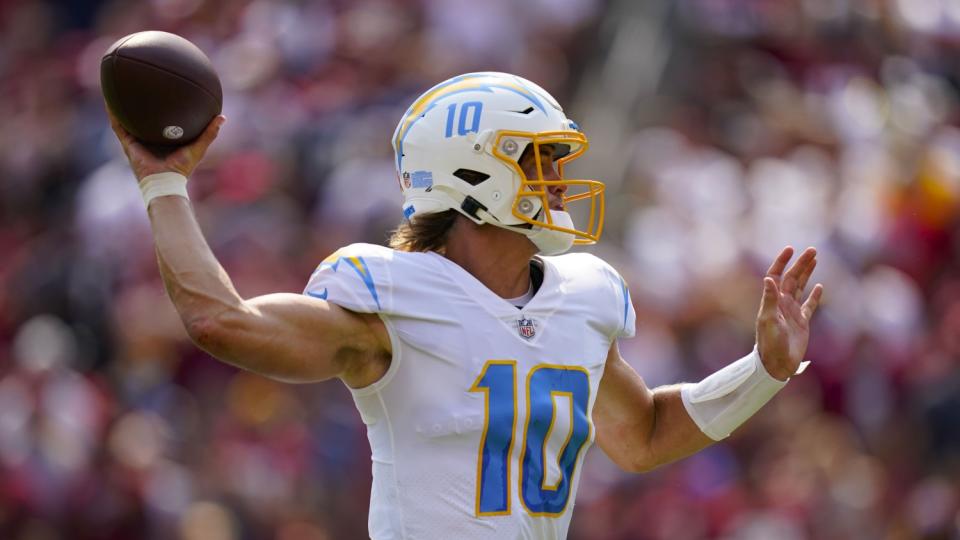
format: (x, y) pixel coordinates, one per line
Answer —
(480, 425)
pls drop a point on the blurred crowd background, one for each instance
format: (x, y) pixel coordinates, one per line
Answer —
(724, 129)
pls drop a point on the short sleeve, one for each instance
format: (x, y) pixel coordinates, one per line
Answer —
(600, 293)
(628, 327)
(622, 319)
(355, 277)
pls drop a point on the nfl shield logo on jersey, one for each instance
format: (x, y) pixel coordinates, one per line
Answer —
(525, 327)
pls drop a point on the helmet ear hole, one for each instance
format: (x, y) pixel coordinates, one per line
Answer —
(470, 176)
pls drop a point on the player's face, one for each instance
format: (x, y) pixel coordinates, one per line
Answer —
(528, 163)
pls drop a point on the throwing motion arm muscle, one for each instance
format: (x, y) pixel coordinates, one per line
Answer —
(285, 336)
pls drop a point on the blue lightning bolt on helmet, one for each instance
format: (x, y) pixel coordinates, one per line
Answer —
(458, 147)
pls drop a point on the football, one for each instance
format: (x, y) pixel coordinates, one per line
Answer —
(161, 87)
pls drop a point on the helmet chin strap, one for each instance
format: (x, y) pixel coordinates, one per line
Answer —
(548, 241)
(551, 241)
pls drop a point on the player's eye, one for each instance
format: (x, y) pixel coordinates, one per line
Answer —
(546, 155)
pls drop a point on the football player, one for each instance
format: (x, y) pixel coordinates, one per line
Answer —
(482, 360)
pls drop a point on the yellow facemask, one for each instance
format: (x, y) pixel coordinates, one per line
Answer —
(576, 190)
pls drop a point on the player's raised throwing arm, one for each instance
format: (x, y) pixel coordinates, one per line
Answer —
(640, 429)
(284, 336)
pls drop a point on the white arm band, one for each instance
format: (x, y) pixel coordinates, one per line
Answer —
(727, 398)
(162, 184)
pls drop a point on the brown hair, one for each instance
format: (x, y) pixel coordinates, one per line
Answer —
(426, 232)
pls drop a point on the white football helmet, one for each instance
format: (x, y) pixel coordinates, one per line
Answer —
(458, 147)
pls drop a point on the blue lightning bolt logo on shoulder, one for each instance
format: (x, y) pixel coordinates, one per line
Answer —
(358, 265)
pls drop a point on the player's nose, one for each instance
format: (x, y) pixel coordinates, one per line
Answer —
(550, 174)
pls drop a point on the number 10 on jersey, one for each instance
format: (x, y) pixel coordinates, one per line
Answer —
(544, 382)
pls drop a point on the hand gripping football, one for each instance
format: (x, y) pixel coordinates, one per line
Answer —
(161, 87)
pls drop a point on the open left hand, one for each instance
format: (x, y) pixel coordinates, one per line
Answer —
(183, 160)
(783, 324)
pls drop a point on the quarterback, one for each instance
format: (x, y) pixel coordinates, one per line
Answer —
(482, 360)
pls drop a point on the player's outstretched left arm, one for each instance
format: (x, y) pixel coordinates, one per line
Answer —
(641, 429)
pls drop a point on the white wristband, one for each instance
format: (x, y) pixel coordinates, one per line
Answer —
(162, 184)
(723, 401)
